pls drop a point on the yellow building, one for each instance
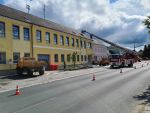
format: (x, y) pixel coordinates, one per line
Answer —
(22, 34)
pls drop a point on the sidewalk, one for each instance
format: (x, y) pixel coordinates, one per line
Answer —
(49, 76)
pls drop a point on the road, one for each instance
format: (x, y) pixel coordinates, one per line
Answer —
(111, 92)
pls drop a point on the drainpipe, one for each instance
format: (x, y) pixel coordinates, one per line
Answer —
(32, 49)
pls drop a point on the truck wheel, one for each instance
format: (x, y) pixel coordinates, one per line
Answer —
(30, 72)
(19, 71)
(41, 72)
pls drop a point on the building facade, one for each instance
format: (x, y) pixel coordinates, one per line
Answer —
(99, 51)
(24, 35)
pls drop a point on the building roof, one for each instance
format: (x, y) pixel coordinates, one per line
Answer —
(8, 12)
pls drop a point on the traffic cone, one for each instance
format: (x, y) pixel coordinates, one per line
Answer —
(17, 90)
(93, 79)
(121, 70)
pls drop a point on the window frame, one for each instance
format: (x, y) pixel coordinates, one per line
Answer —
(62, 57)
(18, 32)
(47, 39)
(55, 39)
(16, 61)
(77, 42)
(3, 34)
(1, 58)
(56, 58)
(78, 58)
(67, 41)
(72, 39)
(68, 58)
(61, 39)
(39, 38)
(26, 38)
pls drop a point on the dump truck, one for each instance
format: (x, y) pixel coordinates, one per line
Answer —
(29, 65)
(104, 62)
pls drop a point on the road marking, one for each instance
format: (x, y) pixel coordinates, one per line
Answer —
(34, 105)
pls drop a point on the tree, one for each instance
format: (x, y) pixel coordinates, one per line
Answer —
(147, 23)
(73, 57)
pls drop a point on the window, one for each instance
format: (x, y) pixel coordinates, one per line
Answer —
(2, 29)
(84, 44)
(16, 57)
(68, 57)
(2, 58)
(26, 54)
(77, 42)
(84, 57)
(38, 36)
(55, 39)
(62, 58)
(67, 41)
(47, 37)
(90, 45)
(72, 41)
(81, 43)
(56, 57)
(78, 58)
(61, 40)
(26, 34)
(16, 32)
(81, 57)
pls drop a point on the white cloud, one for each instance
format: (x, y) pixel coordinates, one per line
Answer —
(117, 22)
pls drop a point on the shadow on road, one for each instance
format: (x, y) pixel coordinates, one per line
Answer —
(145, 96)
(18, 77)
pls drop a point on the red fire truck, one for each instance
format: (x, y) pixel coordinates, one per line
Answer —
(122, 60)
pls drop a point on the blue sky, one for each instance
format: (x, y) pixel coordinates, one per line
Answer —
(1, 1)
(119, 21)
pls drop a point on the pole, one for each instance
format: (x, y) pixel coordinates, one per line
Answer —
(28, 8)
(44, 9)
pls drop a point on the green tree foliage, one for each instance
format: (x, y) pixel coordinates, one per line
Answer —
(146, 51)
(73, 57)
(147, 23)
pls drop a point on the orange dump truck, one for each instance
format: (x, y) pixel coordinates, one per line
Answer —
(29, 65)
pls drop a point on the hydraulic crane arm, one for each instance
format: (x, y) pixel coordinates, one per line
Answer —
(106, 41)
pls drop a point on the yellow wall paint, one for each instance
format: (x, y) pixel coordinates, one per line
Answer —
(10, 45)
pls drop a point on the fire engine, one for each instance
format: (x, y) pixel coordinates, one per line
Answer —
(122, 60)
(128, 58)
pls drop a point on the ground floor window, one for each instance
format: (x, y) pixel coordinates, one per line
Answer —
(26, 54)
(2, 58)
(68, 57)
(78, 59)
(16, 57)
(62, 58)
(81, 57)
(56, 57)
(85, 58)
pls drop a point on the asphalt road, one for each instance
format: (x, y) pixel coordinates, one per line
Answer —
(111, 92)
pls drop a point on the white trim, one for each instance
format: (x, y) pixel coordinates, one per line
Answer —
(54, 48)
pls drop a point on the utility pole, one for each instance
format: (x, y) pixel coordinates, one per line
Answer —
(28, 8)
(44, 9)
(134, 44)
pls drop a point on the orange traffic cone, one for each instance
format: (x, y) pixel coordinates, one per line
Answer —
(17, 90)
(93, 78)
(121, 70)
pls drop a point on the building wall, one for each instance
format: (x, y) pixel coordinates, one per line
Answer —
(99, 51)
(10, 45)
